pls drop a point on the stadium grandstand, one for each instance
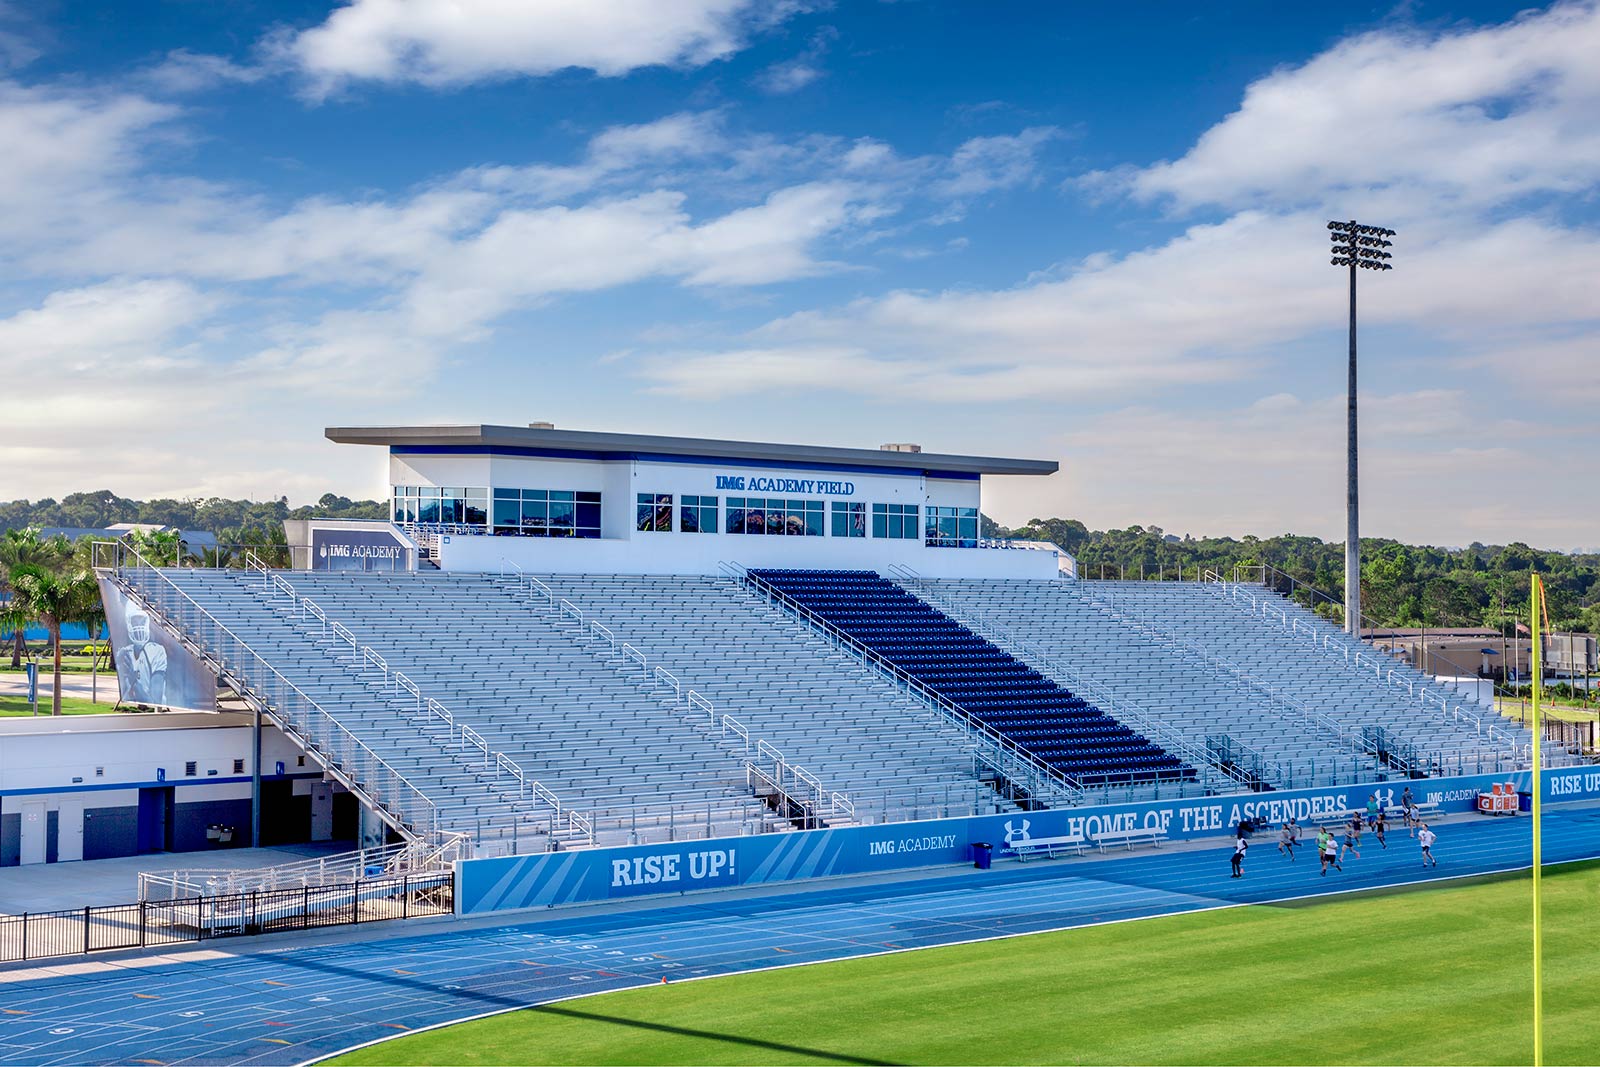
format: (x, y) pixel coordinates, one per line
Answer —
(568, 639)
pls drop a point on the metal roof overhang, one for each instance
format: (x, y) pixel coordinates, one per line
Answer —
(459, 439)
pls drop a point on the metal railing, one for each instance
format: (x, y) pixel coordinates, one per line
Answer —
(762, 762)
(160, 923)
(1333, 642)
(512, 778)
(1119, 708)
(1350, 738)
(994, 750)
(384, 861)
(361, 770)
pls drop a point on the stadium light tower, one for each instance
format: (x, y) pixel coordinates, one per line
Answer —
(1355, 246)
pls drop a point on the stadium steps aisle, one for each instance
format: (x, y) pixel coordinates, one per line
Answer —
(606, 750)
(1285, 657)
(1040, 715)
(841, 722)
(1181, 690)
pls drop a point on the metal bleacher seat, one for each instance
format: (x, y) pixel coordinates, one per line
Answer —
(1007, 695)
(1188, 654)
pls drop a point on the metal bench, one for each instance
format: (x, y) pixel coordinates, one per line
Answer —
(1047, 845)
(1129, 838)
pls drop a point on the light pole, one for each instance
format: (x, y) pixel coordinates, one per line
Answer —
(1355, 245)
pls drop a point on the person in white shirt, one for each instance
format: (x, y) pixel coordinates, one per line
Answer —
(1239, 845)
(1426, 838)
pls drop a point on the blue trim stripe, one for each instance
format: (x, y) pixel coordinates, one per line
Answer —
(96, 787)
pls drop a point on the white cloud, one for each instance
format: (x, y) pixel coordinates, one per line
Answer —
(454, 42)
(1435, 466)
(795, 74)
(1401, 121)
(986, 164)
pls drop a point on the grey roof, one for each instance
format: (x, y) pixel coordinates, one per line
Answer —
(457, 438)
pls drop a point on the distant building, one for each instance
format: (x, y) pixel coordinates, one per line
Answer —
(193, 540)
(1485, 653)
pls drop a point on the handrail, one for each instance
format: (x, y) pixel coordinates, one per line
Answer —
(1220, 665)
(1117, 707)
(1321, 639)
(1003, 754)
(364, 656)
(323, 734)
(657, 677)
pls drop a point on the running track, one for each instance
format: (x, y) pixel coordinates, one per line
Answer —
(283, 1006)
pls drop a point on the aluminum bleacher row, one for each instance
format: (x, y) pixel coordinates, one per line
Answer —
(1042, 716)
(1203, 660)
(543, 693)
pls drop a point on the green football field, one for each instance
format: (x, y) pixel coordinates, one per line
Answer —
(1438, 975)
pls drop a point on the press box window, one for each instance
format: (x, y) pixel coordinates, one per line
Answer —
(546, 513)
(771, 515)
(849, 520)
(896, 521)
(952, 527)
(655, 512)
(698, 515)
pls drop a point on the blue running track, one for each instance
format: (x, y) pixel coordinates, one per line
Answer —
(285, 1006)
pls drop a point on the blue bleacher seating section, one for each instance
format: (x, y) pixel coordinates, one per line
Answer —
(1044, 718)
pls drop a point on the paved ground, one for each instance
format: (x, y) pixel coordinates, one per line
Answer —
(55, 886)
(287, 1002)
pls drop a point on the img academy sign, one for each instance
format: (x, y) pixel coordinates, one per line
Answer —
(762, 483)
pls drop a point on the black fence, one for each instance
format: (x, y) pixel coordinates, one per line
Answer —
(156, 923)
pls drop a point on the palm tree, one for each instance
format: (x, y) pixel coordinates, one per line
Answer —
(54, 599)
(20, 548)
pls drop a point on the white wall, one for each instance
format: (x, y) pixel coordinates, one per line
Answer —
(128, 749)
(680, 553)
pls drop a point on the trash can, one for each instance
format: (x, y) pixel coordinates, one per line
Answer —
(1524, 801)
(982, 855)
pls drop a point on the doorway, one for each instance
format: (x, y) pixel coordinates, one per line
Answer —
(155, 819)
(33, 832)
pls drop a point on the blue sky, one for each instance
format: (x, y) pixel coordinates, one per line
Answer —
(1073, 231)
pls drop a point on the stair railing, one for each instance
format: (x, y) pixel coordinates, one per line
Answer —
(356, 766)
(363, 659)
(990, 747)
(1324, 641)
(1351, 738)
(761, 762)
(1119, 708)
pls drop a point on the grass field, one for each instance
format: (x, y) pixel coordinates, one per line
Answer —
(12, 705)
(1437, 975)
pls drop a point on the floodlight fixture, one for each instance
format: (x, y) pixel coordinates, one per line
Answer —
(1355, 246)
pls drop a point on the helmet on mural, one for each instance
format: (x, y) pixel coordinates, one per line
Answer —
(138, 621)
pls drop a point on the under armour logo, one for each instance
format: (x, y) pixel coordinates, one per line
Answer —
(1015, 835)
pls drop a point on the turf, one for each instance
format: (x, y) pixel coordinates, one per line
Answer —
(1437, 975)
(12, 705)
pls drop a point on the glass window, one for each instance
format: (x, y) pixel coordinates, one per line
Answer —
(563, 513)
(654, 512)
(699, 514)
(849, 519)
(952, 527)
(427, 504)
(897, 521)
(536, 512)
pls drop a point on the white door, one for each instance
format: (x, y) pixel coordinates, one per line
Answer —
(322, 811)
(69, 831)
(33, 823)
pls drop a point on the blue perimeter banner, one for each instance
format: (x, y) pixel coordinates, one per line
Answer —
(549, 879)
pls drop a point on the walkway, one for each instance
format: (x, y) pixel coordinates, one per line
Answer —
(284, 1004)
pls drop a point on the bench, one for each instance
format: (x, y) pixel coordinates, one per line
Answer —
(1129, 838)
(1047, 845)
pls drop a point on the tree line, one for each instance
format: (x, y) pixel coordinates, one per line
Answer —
(217, 515)
(1401, 584)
